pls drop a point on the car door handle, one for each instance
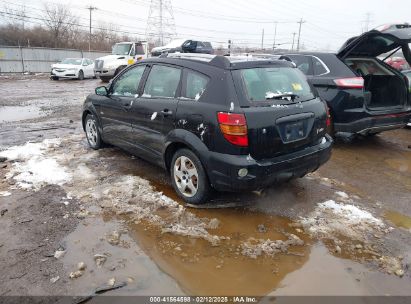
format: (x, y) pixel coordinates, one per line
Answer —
(166, 112)
(128, 105)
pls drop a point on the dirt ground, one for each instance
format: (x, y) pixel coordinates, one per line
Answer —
(74, 220)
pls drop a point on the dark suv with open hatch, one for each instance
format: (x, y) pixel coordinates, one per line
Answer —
(365, 95)
(213, 121)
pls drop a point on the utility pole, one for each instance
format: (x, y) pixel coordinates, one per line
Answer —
(229, 47)
(262, 40)
(275, 34)
(90, 8)
(23, 16)
(367, 22)
(299, 33)
(292, 47)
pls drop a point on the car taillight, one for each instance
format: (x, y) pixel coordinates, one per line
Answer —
(234, 128)
(328, 120)
(352, 83)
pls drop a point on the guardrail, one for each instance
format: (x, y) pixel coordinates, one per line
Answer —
(14, 59)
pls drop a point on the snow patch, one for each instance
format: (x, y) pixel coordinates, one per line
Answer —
(29, 149)
(342, 194)
(254, 248)
(351, 213)
(331, 219)
(37, 172)
(5, 193)
(33, 168)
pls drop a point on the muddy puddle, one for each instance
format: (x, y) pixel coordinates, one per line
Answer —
(398, 219)
(149, 260)
(226, 269)
(17, 113)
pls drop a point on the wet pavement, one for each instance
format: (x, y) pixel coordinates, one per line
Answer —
(344, 230)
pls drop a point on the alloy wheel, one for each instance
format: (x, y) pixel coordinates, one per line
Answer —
(186, 176)
(91, 131)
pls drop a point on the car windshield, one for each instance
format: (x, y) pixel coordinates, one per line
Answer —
(121, 49)
(75, 61)
(273, 83)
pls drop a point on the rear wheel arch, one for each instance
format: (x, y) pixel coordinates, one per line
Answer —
(171, 149)
(179, 139)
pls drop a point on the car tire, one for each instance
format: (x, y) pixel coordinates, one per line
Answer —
(105, 78)
(189, 178)
(92, 132)
(372, 134)
(94, 77)
(80, 75)
(54, 78)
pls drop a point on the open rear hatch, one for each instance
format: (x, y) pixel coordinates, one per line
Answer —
(384, 86)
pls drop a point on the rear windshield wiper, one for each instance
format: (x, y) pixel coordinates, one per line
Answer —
(282, 96)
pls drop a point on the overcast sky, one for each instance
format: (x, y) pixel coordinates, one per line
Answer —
(328, 23)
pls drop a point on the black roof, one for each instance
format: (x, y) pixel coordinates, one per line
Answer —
(223, 62)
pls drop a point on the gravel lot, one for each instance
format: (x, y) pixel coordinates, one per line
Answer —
(346, 227)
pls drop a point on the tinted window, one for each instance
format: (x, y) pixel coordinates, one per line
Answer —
(127, 84)
(319, 68)
(195, 85)
(303, 63)
(162, 82)
(263, 84)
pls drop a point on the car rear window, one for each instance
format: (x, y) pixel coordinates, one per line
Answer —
(263, 84)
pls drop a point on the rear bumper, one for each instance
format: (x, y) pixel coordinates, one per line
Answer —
(223, 169)
(374, 124)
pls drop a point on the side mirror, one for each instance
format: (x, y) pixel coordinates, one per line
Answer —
(101, 91)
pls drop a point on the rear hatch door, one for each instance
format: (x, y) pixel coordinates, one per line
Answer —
(283, 115)
(381, 40)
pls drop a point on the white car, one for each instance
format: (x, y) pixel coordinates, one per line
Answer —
(77, 68)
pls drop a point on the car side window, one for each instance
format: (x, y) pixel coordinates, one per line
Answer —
(162, 81)
(127, 84)
(319, 67)
(303, 63)
(195, 85)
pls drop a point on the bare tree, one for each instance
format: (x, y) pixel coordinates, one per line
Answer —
(60, 22)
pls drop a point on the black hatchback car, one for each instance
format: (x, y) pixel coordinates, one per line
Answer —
(364, 94)
(213, 122)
